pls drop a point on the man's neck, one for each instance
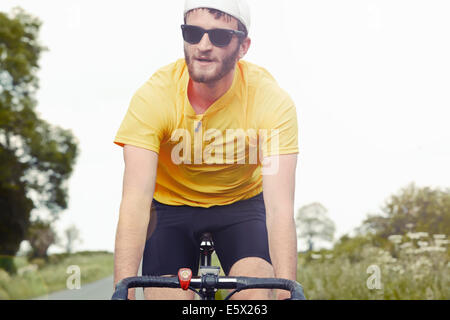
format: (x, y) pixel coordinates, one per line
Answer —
(203, 95)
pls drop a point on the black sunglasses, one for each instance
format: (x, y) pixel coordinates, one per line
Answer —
(218, 37)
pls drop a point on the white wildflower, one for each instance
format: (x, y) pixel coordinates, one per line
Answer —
(422, 243)
(413, 235)
(316, 256)
(422, 263)
(406, 245)
(439, 236)
(385, 257)
(417, 235)
(409, 226)
(398, 268)
(434, 249)
(395, 238)
(440, 242)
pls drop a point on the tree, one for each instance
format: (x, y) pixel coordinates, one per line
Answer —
(40, 236)
(72, 235)
(423, 209)
(313, 224)
(36, 158)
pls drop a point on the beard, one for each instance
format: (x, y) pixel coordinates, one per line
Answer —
(225, 66)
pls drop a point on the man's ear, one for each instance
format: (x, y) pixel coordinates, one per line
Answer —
(245, 45)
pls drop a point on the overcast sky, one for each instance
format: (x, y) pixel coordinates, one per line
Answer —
(370, 80)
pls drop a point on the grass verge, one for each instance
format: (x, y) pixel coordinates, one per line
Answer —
(45, 277)
(376, 275)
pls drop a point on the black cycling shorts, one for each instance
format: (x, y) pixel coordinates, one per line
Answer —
(239, 231)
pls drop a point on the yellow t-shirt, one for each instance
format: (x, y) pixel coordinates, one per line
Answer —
(214, 158)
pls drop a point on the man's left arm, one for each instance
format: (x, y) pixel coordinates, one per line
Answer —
(279, 189)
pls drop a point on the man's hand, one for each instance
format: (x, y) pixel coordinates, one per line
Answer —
(138, 188)
(282, 295)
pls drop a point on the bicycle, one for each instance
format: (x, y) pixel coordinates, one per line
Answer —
(209, 280)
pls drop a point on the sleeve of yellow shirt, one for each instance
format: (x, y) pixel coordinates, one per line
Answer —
(145, 122)
(280, 125)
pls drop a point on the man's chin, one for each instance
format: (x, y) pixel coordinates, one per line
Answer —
(204, 77)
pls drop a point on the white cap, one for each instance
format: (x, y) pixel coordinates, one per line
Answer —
(236, 8)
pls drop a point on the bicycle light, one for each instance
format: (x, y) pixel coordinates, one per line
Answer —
(185, 276)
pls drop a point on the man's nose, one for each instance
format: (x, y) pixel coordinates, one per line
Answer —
(205, 44)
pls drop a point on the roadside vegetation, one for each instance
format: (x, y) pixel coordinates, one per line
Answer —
(416, 268)
(401, 253)
(42, 277)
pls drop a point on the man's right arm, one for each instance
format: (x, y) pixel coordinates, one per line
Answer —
(138, 188)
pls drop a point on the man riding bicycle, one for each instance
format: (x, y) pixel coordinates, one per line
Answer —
(210, 145)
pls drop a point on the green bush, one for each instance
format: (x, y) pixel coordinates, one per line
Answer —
(7, 264)
(57, 258)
